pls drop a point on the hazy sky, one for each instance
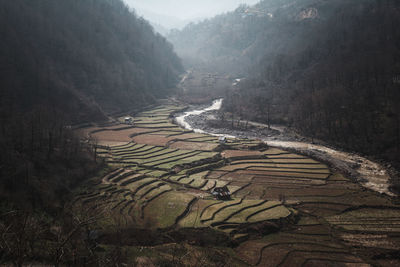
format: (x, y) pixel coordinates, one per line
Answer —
(187, 9)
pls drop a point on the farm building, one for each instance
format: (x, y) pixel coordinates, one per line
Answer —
(221, 193)
(222, 140)
(128, 120)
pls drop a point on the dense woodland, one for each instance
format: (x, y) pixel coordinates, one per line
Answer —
(64, 62)
(330, 68)
(61, 63)
(82, 57)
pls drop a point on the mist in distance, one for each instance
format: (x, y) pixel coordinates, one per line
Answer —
(177, 13)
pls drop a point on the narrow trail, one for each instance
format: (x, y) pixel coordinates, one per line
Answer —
(369, 174)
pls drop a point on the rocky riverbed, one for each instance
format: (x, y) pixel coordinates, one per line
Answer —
(370, 174)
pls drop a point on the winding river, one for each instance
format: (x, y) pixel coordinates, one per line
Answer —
(370, 174)
(181, 119)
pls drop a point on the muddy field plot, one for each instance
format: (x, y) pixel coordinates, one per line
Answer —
(231, 216)
(193, 145)
(149, 202)
(285, 209)
(373, 220)
(307, 242)
(159, 157)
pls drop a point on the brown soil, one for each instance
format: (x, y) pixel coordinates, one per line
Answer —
(193, 146)
(152, 140)
(119, 136)
(229, 154)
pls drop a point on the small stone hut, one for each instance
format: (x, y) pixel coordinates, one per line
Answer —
(221, 193)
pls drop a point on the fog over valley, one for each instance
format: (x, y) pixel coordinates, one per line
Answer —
(177, 13)
(209, 133)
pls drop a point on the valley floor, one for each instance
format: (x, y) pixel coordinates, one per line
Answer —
(286, 209)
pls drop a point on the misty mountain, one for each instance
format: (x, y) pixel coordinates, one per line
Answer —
(82, 57)
(161, 22)
(239, 39)
(327, 68)
(185, 10)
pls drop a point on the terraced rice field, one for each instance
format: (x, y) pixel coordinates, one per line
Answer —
(286, 209)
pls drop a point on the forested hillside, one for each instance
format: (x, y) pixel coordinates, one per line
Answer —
(233, 42)
(328, 68)
(81, 56)
(64, 62)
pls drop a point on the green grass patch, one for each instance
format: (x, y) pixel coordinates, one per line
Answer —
(156, 174)
(160, 156)
(210, 184)
(150, 154)
(127, 177)
(200, 168)
(200, 175)
(242, 216)
(164, 210)
(157, 192)
(198, 183)
(270, 214)
(220, 183)
(175, 178)
(192, 220)
(136, 185)
(185, 180)
(182, 161)
(143, 149)
(170, 161)
(131, 147)
(208, 213)
(234, 188)
(172, 155)
(129, 144)
(223, 214)
(142, 192)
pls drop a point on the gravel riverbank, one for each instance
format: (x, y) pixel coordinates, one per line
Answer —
(370, 174)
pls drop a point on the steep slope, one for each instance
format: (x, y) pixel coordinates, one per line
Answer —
(81, 56)
(238, 40)
(328, 68)
(63, 62)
